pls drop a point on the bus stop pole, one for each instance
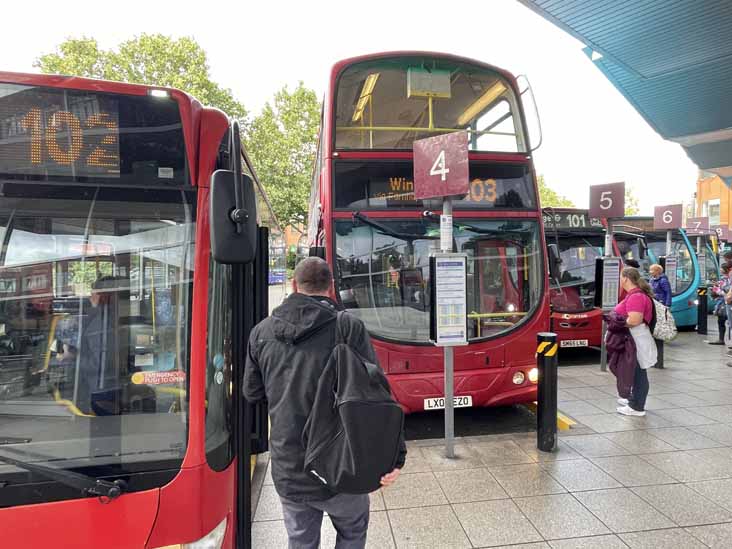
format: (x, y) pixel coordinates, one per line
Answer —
(659, 342)
(607, 252)
(446, 245)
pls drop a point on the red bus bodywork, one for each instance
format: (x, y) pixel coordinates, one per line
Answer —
(484, 369)
(572, 320)
(198, 498)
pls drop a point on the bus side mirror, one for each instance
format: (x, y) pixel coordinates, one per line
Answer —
(554, 261)
(233, 233)
(642, 248)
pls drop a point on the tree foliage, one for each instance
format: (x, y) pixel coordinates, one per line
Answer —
(549, 198)
(153, 59)
(631, 202)
(282, 142)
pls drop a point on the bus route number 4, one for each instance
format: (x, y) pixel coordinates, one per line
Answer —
(440, 166)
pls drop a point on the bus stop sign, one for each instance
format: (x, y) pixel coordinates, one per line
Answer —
(441, 166)
(608, 200)
(698, 226)
(667, 217)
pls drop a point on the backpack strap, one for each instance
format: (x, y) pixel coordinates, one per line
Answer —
(340, 337)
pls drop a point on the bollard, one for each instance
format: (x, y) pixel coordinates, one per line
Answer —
(701, 310)
(546, 406)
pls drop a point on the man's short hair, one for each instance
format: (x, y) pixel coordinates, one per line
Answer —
(313, 276)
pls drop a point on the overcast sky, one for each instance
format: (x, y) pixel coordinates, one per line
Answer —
(591, 134)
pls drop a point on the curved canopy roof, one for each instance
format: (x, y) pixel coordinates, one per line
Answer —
(672, 59)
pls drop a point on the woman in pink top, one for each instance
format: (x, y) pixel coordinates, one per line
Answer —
(637, 306)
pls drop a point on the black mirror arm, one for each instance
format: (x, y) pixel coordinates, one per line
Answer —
(238, 215)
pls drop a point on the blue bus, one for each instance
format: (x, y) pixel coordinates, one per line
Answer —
(684, 301)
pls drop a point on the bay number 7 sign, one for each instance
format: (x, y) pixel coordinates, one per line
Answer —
(441, 166)
(608, 200)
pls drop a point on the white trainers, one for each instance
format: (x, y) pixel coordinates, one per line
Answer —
(623, 401)
(628, 411)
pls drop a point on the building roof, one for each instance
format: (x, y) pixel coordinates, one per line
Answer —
(671, 59)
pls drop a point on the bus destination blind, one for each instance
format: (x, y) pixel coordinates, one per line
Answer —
(56, 132)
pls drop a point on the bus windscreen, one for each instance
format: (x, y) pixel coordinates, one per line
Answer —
(67, 135)
(388, 103)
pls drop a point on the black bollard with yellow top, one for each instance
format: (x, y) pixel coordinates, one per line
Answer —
(701, 310)
(546, 405)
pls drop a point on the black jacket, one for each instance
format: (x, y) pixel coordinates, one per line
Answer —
(287, 354)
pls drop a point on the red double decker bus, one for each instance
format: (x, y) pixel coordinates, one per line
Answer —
(121, 338)
(579, 241)
(365, 220)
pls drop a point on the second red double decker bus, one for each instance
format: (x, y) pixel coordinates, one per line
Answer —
(365, 220)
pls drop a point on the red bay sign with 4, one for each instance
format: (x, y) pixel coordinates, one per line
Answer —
(441, 166)
(608, 200)
(667, 217)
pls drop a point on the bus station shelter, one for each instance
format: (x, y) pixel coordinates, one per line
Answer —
(671, 59)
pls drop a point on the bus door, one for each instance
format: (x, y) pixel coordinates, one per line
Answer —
(252, 419)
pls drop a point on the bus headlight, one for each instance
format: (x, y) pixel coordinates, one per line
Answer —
(534, 375)
(511, 308)
(518, 378)
(212, 540)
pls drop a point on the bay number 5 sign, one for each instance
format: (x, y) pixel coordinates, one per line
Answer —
(608, 200)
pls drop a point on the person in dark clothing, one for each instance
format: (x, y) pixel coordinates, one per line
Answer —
(98, 344)
(660, 284)
(719, 291)
(631, 263)
(286, 355)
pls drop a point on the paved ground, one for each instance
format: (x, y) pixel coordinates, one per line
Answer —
(663, 481)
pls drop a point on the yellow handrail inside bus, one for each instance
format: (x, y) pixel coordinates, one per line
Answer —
(495, 315)
(415, 129)
(70, 405)
(51, 335)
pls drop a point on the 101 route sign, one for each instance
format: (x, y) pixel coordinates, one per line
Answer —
(441, 166)
(608, 200)
(667, 217)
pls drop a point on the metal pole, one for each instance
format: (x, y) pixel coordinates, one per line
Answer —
(446, 245)
(607, 252)
(546, 416)
(669, 242)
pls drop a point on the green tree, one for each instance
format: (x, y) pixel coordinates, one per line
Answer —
(549, 198)
(631, 202)
(282, 142)
(152, 59)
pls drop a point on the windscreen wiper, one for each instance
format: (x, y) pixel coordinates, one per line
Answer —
(389, 232)
(88, 485)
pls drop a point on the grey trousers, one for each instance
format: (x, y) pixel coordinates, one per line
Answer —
(348, 513)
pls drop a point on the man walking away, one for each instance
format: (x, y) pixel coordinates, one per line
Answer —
(286, 356)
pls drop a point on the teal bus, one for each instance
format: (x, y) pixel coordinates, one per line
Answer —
(684, 302)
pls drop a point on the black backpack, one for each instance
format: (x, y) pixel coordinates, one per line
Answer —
(353, 433)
